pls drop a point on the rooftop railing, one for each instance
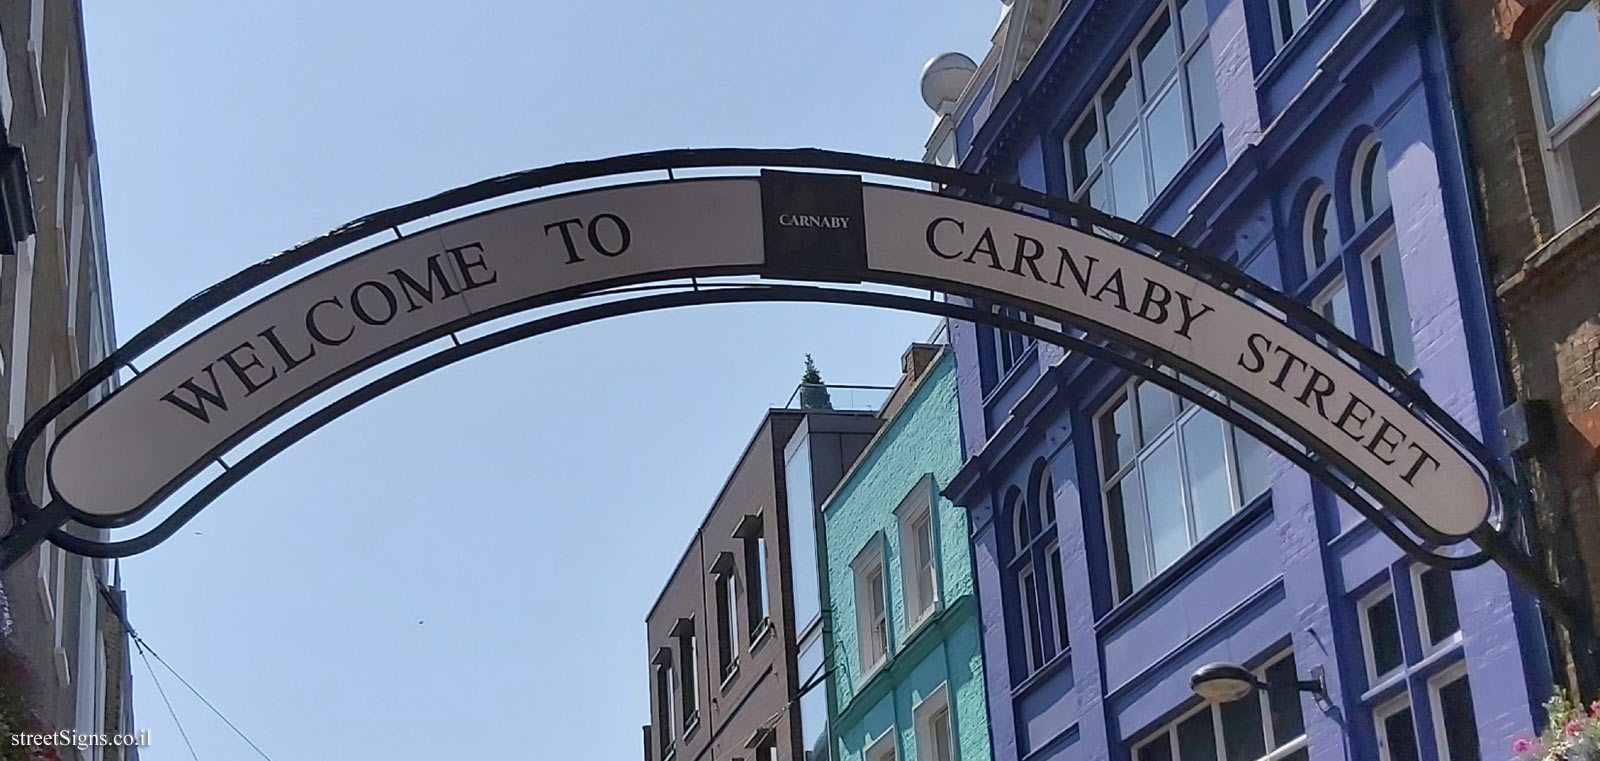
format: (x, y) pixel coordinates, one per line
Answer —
(829, 396)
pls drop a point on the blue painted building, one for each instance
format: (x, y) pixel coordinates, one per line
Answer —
(1122, 538)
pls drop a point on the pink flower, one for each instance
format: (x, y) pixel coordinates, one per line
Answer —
(1594, 708)
(1574, 727)
(1521, 745)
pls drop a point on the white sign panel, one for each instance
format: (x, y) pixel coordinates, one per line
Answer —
(1095, 279)
(221, 384)
(202, 398)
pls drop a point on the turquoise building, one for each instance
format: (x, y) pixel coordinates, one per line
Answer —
(903, 643)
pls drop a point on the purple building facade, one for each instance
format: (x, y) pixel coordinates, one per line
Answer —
(1123, 538)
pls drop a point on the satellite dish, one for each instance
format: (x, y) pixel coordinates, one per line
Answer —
(944, 77)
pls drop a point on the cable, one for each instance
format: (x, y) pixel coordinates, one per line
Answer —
(202, 697)
(108, 594)
(174, 714)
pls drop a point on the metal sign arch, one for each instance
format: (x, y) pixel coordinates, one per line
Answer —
(811, 227)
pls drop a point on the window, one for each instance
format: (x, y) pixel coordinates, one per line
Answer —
(1397, 738)
(666, 700)
(727, 599)
(688, 656)
(1388, 311)
(1028, 597)
(1334, 306)
(934, 742)
(1435, 596)
(755, 574)
(919, 575)
(1170, 475)
(1369, 190)
(1380, 634)
(1156, 109)
(882, 749)
(872, 610)
(1320, 240)
(1564, 62)
(1267, 721)
(1058, 596)
(1454, 722)
(1287, 18)
(1008, 346)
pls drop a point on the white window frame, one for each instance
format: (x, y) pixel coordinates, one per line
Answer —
(1169, 731)
(1383, 712)
(883, 747)
(924, 712)
(667, 688)
(1420, 610)
(1436, 707)
(1100, 170)
(1368, 655)
(1056, 594)
(36, 50)
(1375, 309)
(1032, 617)
(1187, 410)
(869, 561)
(728, 587)
(1559, 177)
(1308, 239)
(917, 506)
(1306, 7)
(1363, 152)
(74, 233)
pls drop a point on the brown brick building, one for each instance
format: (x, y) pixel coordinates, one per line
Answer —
(1528, 84)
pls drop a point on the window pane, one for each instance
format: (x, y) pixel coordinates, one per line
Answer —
(1581, 154)
(1192, 13)
(1373, 195)
(1439, 605)
(1393, 319)
(1157, 408)
(1255, 465)
(1243, 736)
(1058, 597)
(941, 736)
(1283, 700)
(1334, 306)
(1570, 62)
(1158, 54)
(1120, 103)
(1030, 614)
(1169, 531)
(1384, 630)
(1203, 92)
(1197, 738)
(1158, 750)
(1098, 197)
(1117, 443)
(1460, 722)
(1125, 508)
(1205, 446)
(925, 581)
(1085, 150)
(1322, 232)
(1401, 740)
(1169, 143)
(1130, 196)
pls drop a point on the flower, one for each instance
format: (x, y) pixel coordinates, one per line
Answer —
(1594, 708)
(1574, 727)
(1522, 745)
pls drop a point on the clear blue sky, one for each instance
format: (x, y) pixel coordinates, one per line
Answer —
(332, 604)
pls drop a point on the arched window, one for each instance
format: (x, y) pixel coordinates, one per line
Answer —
(1369, 183)
(1021, 533)
(1320, 236)
(1047, 499)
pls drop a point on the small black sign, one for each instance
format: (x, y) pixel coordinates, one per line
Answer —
(814, 226)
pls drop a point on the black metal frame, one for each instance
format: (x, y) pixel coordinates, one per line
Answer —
(1127, 353)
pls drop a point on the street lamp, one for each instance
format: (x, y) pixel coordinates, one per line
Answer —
(1227, 682)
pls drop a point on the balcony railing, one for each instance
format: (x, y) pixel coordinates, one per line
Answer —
(828, 396)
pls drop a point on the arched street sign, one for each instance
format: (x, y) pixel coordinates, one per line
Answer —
(1142, 301)
(121, 458)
